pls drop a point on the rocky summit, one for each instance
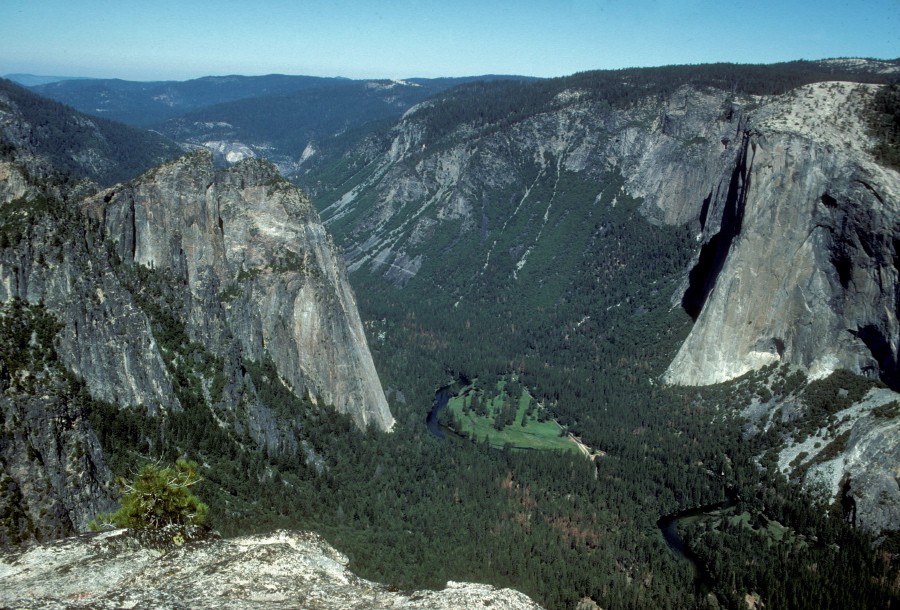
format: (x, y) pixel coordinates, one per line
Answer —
(281, 569)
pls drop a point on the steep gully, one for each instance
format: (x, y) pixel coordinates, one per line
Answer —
(702, 278)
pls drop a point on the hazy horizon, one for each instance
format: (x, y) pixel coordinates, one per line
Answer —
(359, 39)
(59, 77)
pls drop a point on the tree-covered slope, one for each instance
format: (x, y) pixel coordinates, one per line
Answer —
(291, 128)
(74, 143)
(144, 103)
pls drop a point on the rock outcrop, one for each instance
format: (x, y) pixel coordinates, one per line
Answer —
(283, 569)
(258, 267)
(234, 265)
(855, 461)
(799, 256)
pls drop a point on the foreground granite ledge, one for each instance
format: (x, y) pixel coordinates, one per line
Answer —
(281, 569)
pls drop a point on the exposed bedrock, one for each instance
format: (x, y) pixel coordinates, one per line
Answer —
(799, 264)
(248, 233)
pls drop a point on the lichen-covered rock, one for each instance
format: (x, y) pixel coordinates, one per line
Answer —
(283, 569)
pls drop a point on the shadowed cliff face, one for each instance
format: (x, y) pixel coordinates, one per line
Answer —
(69, 330)
(247, 235)
(730, 216)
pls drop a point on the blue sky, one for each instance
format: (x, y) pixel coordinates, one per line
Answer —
(181, 39)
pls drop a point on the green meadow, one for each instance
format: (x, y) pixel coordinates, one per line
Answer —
(525, 428)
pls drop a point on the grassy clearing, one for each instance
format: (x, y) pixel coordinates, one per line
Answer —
(535, 434)
(774, 532)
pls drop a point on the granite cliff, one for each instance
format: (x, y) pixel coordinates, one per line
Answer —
(262, 277)
(798, 260)
(794, 225)
(154, 297)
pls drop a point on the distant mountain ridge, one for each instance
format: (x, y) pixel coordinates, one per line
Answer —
(286, 119)
(290, 128)
(77, 144)
(32, 80)
(142, 103)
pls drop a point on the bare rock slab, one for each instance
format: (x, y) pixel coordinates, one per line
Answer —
(281, 569)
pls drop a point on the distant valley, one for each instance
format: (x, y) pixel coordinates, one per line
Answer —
(690, 270)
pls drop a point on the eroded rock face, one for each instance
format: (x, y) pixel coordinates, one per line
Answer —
(283, 569)
(854, 462)
(240, 260)
(259, 269)
(809, 276)
(669, 152)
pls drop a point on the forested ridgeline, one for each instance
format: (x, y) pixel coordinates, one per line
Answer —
(143, 103)
(286, 122)
(102, 150)
(485, 106)
(503, 103)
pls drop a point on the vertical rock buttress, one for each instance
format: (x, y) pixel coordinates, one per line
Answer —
(247, 232)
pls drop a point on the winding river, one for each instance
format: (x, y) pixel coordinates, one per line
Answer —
(441, 398)
(668, 526)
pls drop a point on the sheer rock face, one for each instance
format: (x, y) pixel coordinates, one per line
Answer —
(283, 569)
(250, 271)
(105, 339)
(795, 222)
(259, 269)
(799, 257)
(53, 474)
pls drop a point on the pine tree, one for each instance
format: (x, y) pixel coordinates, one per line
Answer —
(158, 497)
